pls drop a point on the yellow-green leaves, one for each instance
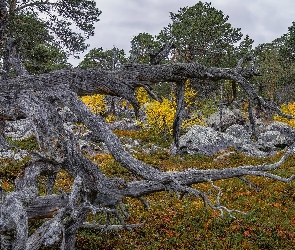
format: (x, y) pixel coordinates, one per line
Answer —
(288, 109)
(96, 103)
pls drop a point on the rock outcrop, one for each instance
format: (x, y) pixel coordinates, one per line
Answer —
(124, 124)
(207, 141)
(228, 118)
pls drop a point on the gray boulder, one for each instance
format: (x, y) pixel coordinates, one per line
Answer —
(124, 124)
(19, 130)
(203, 140)
(207, 141)
(285, 130)
(239, 131)
(229, 118)
(275, 135)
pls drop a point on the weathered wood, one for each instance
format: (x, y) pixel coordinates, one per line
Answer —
(39, 97)
(46, 206)
(180, 88)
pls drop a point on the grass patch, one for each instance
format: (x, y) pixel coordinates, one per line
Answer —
(171, 223)
(185, 224)
(146, 137)
(29, 143)
(9, 170)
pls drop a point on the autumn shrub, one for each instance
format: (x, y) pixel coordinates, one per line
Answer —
(9, 170)
(96, 103)
(160, 114)
(288, 109)
(171, 223)
(29, 143)
(99, 104)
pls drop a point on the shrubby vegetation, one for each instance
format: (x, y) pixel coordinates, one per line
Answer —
(187, 223)
(200, 34)
(288, 109)
(96, 103)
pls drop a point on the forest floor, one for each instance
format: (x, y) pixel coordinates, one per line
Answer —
(170, 223)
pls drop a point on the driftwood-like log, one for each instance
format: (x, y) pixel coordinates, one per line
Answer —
(40, 97)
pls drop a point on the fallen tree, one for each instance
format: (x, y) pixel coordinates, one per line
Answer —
(39, 98)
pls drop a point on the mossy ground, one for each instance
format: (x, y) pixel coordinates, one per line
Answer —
(171, 223)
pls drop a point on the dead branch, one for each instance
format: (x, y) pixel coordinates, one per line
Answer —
(38, 98)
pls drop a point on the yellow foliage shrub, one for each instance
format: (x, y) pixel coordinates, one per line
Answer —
(96, 103)
(142, 96)
(190, 95)
(110, 118)
(160, 115)
(194, 120)
(288, 109)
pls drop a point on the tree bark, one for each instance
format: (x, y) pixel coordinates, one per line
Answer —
(39, 97)
(179, 113)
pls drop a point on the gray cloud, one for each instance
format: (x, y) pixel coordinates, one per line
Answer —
(262, 20)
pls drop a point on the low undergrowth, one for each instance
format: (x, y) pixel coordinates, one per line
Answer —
(171, 223)
(29, 143)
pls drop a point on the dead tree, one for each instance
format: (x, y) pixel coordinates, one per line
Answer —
(39, 97)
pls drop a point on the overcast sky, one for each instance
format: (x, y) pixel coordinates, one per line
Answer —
(262, 20)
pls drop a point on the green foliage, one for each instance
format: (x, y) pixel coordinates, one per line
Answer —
(208, 107)
(61, 17)
(171, 223)
(141, 47)
(44, 58)
(43, 33)
(276, 66)
(28, 31)
(163, 89)
(271, 69)
(201, 33)
(287, 109)
(288, 50)
(29, 143)
(146, 137)
(106, 60)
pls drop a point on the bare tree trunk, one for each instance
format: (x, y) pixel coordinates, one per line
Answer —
(179, 112)
(3, 143)
(12, 58)
(11, 55)
(252, 120)
(39, 97)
